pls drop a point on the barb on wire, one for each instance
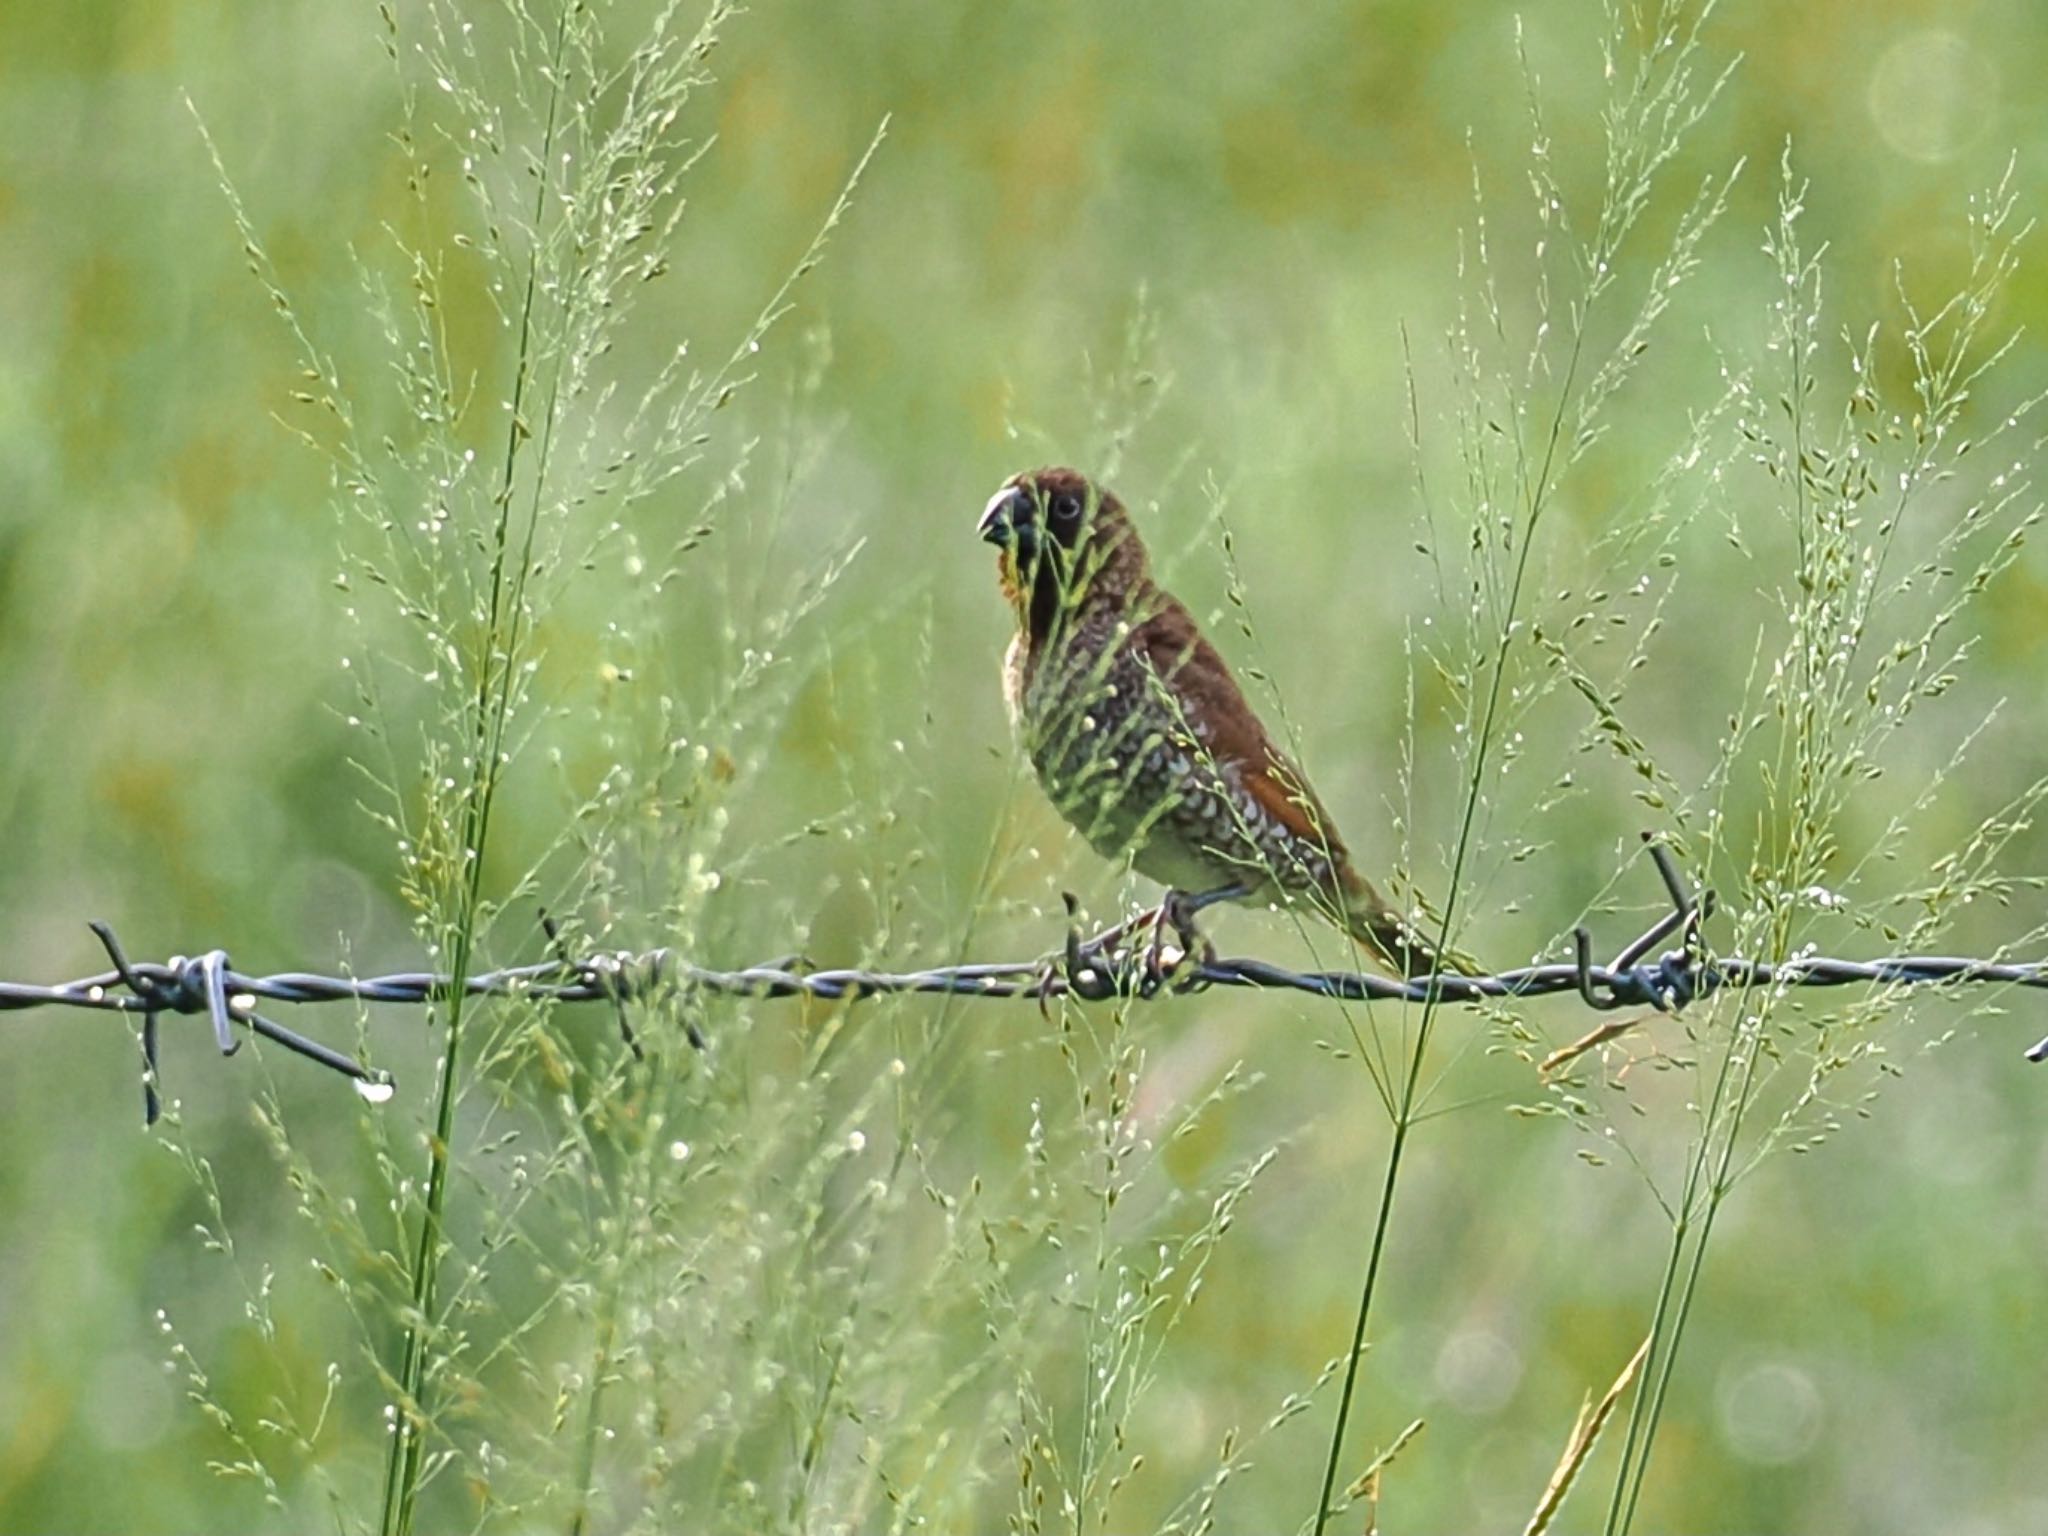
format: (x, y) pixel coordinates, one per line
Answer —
(1091, 969)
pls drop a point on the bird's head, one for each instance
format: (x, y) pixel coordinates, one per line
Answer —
(1060, 536)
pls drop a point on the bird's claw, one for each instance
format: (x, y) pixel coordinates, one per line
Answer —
(1183, 971)
(1089, 969)
(1097, 967)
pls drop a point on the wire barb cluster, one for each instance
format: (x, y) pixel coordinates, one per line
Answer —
(1105, 966)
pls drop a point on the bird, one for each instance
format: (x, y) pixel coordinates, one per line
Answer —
(1142, 738)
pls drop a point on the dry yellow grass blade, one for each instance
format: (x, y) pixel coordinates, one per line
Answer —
(1564, 1055)
(1366, 1485)
(1592, 1419)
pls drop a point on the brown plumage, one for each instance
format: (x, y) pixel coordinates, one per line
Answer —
(1141, 736)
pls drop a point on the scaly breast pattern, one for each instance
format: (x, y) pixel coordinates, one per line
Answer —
(1131, 770)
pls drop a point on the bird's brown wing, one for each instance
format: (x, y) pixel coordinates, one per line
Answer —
(1225, 726)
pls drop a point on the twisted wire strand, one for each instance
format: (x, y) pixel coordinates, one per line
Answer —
(1088, 969)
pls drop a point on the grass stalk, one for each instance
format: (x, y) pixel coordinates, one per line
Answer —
(1406, 1101)
(495, 662)
(1657, 106)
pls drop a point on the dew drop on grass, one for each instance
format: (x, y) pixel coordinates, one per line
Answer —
(375, 1090)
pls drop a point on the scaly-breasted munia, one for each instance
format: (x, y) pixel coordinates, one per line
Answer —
(1141, 736)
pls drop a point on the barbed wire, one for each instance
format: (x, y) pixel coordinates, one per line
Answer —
(1105, 966)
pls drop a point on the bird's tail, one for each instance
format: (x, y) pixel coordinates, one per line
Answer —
(1373, 922)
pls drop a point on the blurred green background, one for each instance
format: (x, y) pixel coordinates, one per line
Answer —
(1286, 186)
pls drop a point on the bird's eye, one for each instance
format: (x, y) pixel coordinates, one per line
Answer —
(1066, 506)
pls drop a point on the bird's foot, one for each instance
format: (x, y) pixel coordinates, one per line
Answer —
(1111, 939)
(1096, 967)
(1181, 967)
(1086, 968)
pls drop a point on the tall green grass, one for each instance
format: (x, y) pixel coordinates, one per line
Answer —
(744, 1274)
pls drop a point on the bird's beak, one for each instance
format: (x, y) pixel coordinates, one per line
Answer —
(1006, 517)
